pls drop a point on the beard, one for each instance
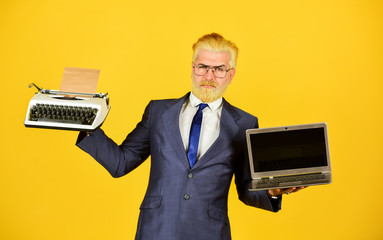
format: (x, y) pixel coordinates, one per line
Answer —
(208, 95)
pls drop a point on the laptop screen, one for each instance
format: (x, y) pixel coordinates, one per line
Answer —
(290, 149)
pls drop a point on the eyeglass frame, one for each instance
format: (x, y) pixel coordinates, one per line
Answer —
(212, 69)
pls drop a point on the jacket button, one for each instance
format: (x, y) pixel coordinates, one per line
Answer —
(186, 197)
(190, 175)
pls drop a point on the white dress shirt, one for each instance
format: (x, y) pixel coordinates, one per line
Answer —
(210, 123)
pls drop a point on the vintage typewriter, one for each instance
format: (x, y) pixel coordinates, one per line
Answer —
(66, 110)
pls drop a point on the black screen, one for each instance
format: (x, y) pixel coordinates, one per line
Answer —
(288, 149)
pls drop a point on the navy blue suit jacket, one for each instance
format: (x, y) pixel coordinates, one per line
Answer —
(182, 202)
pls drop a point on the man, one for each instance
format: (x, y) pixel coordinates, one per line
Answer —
(196, 144)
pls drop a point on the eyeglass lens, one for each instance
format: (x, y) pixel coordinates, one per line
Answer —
(218, 71)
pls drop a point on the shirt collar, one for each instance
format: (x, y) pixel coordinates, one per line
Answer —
(194, 101)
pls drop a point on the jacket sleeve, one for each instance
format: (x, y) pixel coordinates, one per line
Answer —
(259, 199)
(119, 160)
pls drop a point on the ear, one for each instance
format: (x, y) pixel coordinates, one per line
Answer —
(232, 73)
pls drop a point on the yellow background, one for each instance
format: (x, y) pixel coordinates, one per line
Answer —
(299, 62)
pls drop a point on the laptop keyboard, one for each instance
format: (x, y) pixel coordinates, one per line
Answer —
(293, 178)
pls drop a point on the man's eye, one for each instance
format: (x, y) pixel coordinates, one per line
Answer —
(202, 67)
(220, 69)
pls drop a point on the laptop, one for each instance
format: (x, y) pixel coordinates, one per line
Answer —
(290, 156)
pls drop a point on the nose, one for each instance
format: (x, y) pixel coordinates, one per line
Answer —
(209, 74)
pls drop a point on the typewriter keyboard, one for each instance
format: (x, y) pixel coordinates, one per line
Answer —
(63, 114)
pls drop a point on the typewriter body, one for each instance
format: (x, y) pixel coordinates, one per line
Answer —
(66, 110)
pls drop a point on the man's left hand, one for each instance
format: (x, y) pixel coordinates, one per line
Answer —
(279, 191)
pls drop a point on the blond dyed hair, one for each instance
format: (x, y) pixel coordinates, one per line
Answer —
(214, 42)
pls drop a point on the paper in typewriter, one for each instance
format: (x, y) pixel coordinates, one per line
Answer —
(80, 80)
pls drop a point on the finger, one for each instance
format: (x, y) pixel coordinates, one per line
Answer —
(283, 191)
(300, 188)
(287, 191)
(293, 189)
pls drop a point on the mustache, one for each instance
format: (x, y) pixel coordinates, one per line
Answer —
(208, 83)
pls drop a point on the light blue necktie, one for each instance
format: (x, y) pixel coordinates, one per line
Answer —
(195, 131)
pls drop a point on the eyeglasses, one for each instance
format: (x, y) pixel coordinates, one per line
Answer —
(218, 71)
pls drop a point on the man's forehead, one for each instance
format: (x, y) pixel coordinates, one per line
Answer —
(212, 57)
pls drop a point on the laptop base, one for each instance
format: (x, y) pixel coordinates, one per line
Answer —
(260, 184)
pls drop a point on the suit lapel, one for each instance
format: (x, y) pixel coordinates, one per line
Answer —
(228, 130)
(170, 119)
